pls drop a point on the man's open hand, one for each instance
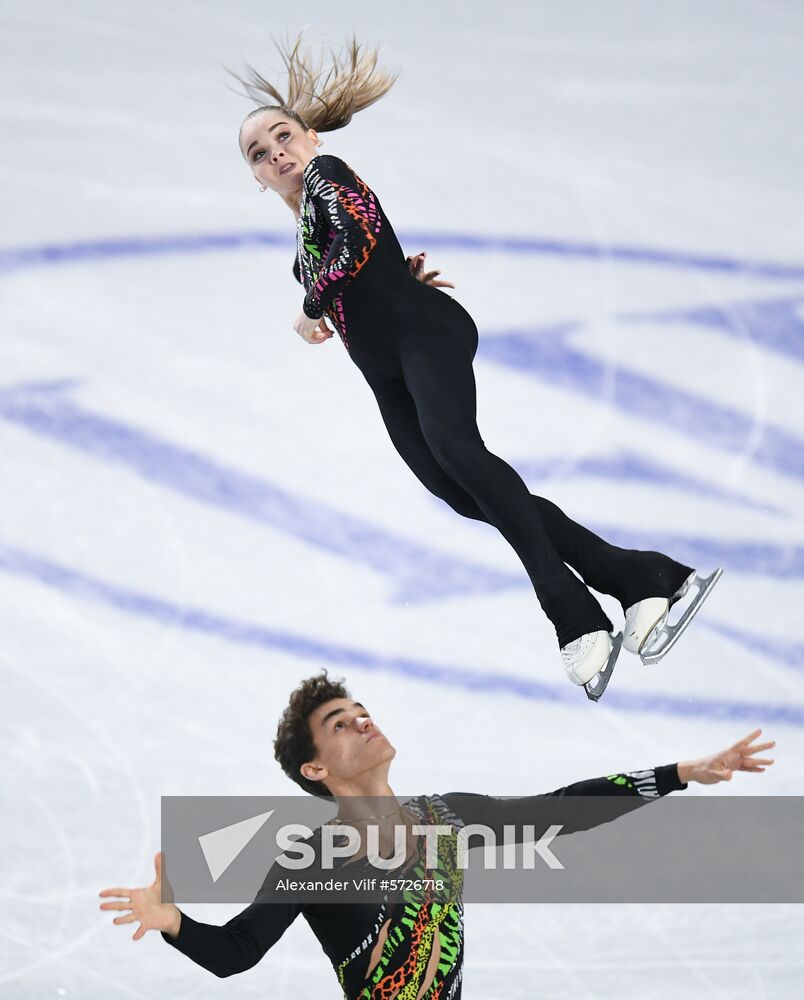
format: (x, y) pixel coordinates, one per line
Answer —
(721, 766)
(145, 906)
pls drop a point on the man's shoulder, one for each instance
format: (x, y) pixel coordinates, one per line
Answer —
(441, 807)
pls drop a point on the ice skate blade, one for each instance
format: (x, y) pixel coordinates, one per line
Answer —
(598, 684)
(662, 639)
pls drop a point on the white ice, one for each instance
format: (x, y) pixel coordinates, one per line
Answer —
(171, 450)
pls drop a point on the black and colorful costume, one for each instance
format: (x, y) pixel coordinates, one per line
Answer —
(415, 346)
(414, 947)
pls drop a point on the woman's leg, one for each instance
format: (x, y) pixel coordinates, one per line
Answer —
(401, 420)
(630, 575)
(441, 424)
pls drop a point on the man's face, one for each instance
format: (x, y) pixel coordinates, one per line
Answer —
(348, 745)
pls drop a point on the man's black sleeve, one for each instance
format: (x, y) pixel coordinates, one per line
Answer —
(605, 799)
(241, 942)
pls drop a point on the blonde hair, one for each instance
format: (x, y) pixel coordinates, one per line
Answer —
(322, 93)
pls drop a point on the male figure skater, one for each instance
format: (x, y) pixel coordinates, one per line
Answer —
(330, 746)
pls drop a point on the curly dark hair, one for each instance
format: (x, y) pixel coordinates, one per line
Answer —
(294, 745)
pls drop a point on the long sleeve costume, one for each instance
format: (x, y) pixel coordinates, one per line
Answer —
(381, 950)
(415, 345)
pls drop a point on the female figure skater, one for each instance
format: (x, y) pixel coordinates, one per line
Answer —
(415, 346)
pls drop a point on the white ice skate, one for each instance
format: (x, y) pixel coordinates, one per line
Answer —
(590, 660)
(647, 630)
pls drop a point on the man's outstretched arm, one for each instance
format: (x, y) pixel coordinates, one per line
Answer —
(224, 950)
(623, 791)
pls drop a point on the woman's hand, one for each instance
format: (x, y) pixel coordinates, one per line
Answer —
(146, 906)
(314, 331)
(416, 265)
(721, 766)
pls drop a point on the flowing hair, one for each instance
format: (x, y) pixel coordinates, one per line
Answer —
(323, 92)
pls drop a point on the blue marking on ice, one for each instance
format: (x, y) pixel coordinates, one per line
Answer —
(784, 651)
(83, 251)
(543, 353)
(85, 587)
(16, 258)
(775, 324)
(779, 562)
(630, 467)
(607, 252)
(546, 353)
(417, 572)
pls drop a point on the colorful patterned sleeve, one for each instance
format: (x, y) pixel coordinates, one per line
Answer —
(614, 796)
(349, 209)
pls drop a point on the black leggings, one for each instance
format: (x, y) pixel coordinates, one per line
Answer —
(429, 409)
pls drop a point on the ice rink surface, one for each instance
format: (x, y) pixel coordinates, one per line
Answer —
(197, 509)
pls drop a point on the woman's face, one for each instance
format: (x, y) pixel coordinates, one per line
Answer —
(277, 149)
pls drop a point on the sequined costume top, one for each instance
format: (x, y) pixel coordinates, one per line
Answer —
(411, 948)
(343, 233)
